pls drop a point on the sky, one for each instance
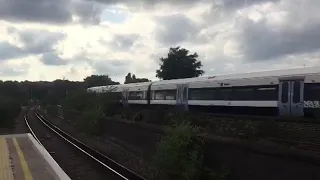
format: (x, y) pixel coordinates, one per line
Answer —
(72, 39)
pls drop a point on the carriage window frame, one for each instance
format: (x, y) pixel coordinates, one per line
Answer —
(296, 92)
(310, 92)
(284, 92)
(135, 95)
(166, 93)
(234, 93)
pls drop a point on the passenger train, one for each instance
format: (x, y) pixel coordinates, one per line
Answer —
(290, 92)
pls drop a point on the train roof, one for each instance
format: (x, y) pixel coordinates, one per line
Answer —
(258, 74)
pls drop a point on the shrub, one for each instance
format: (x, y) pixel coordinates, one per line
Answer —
(179, 154)
(9, 109)
(92, 122)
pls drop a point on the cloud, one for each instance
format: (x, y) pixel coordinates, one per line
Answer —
(174, 29)
(122, 42)
(259, 42)
(10, 51)
(139, 5)
(13, 71)
(34, 42)
(232, 5)
(40, 41)
(229, 35)
(52, 59)
(48, 11)
(87, 11)
(272, 31)
(111, 67)
(45, 11)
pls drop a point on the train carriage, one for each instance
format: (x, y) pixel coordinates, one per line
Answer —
(291, 92)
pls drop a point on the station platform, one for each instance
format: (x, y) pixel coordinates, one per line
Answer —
(23, 158)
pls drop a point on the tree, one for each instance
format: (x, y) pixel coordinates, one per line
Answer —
(98, 80)
(134, 79)
(179, 64)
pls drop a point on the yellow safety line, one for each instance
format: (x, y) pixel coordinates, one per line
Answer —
(24, 165)
(5, 167)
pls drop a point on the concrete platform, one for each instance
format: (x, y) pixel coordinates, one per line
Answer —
(23, 158)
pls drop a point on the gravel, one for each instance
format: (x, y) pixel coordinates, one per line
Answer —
(119, 151)
(73, 162)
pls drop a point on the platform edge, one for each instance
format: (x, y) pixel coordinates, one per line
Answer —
(49, 159)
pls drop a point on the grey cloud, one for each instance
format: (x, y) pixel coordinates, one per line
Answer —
(231, 5)
(125, 42)
(37, 42)
(262, 41)
(151, 4)
(48, 11)
(175, 29)
(52, 59)
(89, 12)
(14, 70)
(10, 51)
(56, 11)
(111, 67)
(121, 42)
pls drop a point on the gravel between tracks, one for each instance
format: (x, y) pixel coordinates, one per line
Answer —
(74, 163)
(121, 152)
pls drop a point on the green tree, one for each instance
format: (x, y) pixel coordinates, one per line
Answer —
(133, 79)
(98, 80)
(179, 64)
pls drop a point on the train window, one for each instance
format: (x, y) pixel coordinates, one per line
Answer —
(311, 92)
(170, 94)
(202, 94)
(185, 93)
(165, 95)
(266, 94)
(132, 95)
(242, 94)
(160, 95)
(135, 95)
(139, 95)
(285, 91)
(224, 94)
(296, 92)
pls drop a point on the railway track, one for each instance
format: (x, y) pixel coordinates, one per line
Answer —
(105, 163)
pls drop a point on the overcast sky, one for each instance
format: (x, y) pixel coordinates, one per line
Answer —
(51, 39)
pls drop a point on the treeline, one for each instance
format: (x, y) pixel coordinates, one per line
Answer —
(179, 63)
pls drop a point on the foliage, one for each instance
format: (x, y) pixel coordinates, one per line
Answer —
(79, 100)
(9, 109)
(98, 80)
(134, 79)
(179, 64)
(89, 123)
(179, 154)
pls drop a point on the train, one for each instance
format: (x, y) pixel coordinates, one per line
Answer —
(285, 92)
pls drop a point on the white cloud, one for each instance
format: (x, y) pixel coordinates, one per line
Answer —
(130, 36)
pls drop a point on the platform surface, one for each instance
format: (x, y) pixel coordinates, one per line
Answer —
(23, 158)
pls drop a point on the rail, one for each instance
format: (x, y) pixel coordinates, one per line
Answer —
(100, 158)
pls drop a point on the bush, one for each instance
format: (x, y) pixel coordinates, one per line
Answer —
(179, 154)
(83, 101)
(9, 109)
(91, 123)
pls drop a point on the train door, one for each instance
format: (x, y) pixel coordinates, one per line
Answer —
(125, 94)
(178, 95)
(182, 96)
(290, 102)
